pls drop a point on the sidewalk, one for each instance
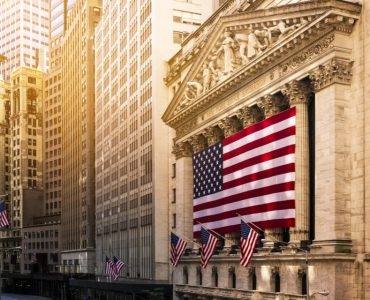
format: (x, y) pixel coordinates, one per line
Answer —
(21, 297)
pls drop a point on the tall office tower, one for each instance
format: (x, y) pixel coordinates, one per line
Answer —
(24, 34)
(26, 152)
(78, 153)
(133, 40)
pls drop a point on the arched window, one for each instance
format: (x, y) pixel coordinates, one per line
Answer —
(199, 279)
(185, 275)
(232, 278)
(214, 277)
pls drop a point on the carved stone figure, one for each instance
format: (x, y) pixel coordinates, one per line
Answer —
(281, 29)
(193, 90)
(207, 77)
(262, 36)
(215, 71)
(227, 47)
(254, 46)
(242, 39)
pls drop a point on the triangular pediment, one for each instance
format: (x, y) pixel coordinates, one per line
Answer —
(243, 43)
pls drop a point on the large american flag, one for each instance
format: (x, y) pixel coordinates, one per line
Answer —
(248, 240)
(178, 246)
(209, 242)
(251, 173)
(3, 215)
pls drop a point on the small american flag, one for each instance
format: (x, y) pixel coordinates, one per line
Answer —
(251, 173)
(3, 215)
(109, 267)
(118, 265)
(248, 240)
(33, 258)
(178, 246)
(209, 242)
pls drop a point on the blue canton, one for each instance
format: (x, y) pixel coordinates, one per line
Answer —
(207, 170)
(244, 230)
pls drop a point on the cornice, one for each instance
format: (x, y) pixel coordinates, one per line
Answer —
(322, 25)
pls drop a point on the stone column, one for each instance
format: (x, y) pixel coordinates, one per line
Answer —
(230, 126)
(332, 148)
(271, 104)
(184, 189)
(198, 143)
(297, 93)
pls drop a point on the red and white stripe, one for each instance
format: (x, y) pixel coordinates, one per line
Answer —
(4, 219)
(258, 178)
(177, 251)
(247, 247)
(207, 250)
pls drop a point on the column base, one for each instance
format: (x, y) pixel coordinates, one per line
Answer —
(331, 246)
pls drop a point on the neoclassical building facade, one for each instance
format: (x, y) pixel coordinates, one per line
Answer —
(249, 61)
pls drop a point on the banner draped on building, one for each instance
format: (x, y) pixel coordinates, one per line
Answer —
(251, 173)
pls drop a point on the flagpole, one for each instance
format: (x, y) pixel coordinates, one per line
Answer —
(186, 239)
(212, 231)
(242, 217)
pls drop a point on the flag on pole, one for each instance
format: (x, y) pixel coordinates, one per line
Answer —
(248, 240)
(118, 265)
(251, 173)
(209, 242)
(109, 267)
(178, 246)
(3, 215)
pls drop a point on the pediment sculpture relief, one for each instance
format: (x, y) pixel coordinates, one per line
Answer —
(234, 50)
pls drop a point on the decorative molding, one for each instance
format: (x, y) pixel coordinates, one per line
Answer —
(297, 92)
(182, 149)
(335, 71)
(307, 55)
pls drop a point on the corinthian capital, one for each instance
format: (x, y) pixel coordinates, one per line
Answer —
(297, 92)
(270, 104)
(335, 71)
(182, 149)
(229, 126)
(248, 115)
(198, 143)
(213, 135)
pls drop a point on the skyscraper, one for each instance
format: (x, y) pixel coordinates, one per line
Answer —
(25, 139)
(24, 34)
(78, 158)
(133, 41)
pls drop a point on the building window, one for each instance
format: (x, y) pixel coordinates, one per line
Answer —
(214, 277)
(199, 277)
(174, 170)
(173, 195)
(232, 278)
(303, 280)
(185, 275)
(276, 280)
(253, 279)
(173, 220)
